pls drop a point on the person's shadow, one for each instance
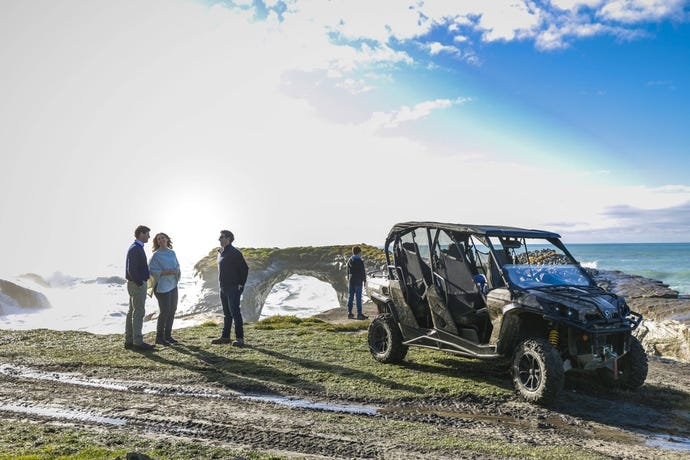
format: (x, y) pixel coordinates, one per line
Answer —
(335, 369)
(238, 375)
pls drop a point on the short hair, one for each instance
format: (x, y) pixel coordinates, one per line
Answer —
(356, 250)
(228, 234)
(141, 229)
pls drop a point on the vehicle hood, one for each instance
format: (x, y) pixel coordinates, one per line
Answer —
(587, 304)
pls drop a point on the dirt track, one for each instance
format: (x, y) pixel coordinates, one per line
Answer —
(614, 425)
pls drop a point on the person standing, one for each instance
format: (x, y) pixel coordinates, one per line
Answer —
(137, 274)
(357, 277)
(232, 275)
(165, 272)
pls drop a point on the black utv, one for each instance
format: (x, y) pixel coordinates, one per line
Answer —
(493, 292)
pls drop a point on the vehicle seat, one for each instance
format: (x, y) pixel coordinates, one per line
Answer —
(418, 278)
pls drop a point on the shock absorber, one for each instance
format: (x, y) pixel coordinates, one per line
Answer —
(553, 337)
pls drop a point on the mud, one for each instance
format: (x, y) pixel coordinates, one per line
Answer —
(652, 423)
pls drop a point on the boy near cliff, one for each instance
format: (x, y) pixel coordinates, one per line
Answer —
(356, 276)
(232, 276)
(137, 274)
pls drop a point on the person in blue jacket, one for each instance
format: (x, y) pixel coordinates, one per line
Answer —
(232, 276)
(165, 274)
(137, 274)
(356, 276)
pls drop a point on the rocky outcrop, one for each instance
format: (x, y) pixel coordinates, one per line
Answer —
(268, 266)
(13, 295)
(665, 330)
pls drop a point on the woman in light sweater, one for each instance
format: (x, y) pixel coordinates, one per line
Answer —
(165, 273)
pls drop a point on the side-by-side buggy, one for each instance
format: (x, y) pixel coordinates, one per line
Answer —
(493, 292)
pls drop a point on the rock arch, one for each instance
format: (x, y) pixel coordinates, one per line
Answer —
(268, 266)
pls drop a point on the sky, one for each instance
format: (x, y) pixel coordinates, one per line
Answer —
(307, 123)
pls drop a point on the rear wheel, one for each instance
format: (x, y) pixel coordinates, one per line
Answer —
(385, 340)
(632, 368)
(537, 371)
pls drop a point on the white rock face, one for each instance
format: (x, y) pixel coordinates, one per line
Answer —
(670, 339)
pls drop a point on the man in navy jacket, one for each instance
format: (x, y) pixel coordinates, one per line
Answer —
(232, 276)
(137, 274)
(356, 276)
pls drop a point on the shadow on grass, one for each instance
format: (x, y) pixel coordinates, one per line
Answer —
(236, 374)
(482, 372)
(346, 372)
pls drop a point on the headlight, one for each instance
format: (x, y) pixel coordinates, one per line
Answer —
(557, 309)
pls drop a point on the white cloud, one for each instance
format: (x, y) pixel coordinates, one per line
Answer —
(634, 11)
(437, 48)
(405, 114)
(355, 86)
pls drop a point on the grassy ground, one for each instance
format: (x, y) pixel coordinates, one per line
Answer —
(284, 355)
(309, 357)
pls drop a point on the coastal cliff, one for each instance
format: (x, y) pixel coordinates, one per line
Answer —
(269, 266)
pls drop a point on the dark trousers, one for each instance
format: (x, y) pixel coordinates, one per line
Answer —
(230, 298)
(167, 304)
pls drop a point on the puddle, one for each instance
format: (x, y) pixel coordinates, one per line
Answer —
(68, 414)
(312, 405)
(14, 371)
(669, 442)
(135, 387)
(163, 390)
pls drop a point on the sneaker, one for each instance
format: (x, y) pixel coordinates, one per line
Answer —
(143, 347)
(171, 340)
(221, 340)
(360, 317)
(238, 343)
(350, 316)
(163, 342)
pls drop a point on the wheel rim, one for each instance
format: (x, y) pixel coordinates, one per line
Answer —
(529, 372)
(379, 339)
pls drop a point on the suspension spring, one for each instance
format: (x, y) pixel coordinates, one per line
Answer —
(553, 337)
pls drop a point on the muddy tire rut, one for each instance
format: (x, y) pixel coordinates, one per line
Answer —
(611, 425)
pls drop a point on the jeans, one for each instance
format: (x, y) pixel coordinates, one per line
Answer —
(355, 290)
(230, 298)
(135, 315)
(167, 304)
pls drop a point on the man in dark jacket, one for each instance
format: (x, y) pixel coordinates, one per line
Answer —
(356, 277)
(232, 275)
(137, 274)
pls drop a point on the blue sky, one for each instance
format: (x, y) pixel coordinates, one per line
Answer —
(312, 122)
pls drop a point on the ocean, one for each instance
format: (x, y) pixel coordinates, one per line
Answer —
(667, 262)
(99, 304)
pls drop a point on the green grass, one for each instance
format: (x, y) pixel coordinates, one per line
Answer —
(21, 440)
(284, 355)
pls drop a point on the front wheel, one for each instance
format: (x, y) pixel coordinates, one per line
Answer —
(385, 340)
(538, 373)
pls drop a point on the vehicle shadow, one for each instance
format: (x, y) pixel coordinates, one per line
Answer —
(335, 369)
(490, 372)
(651, 408)
(235, 374)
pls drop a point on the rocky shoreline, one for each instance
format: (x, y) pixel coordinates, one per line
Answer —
(665, 331)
